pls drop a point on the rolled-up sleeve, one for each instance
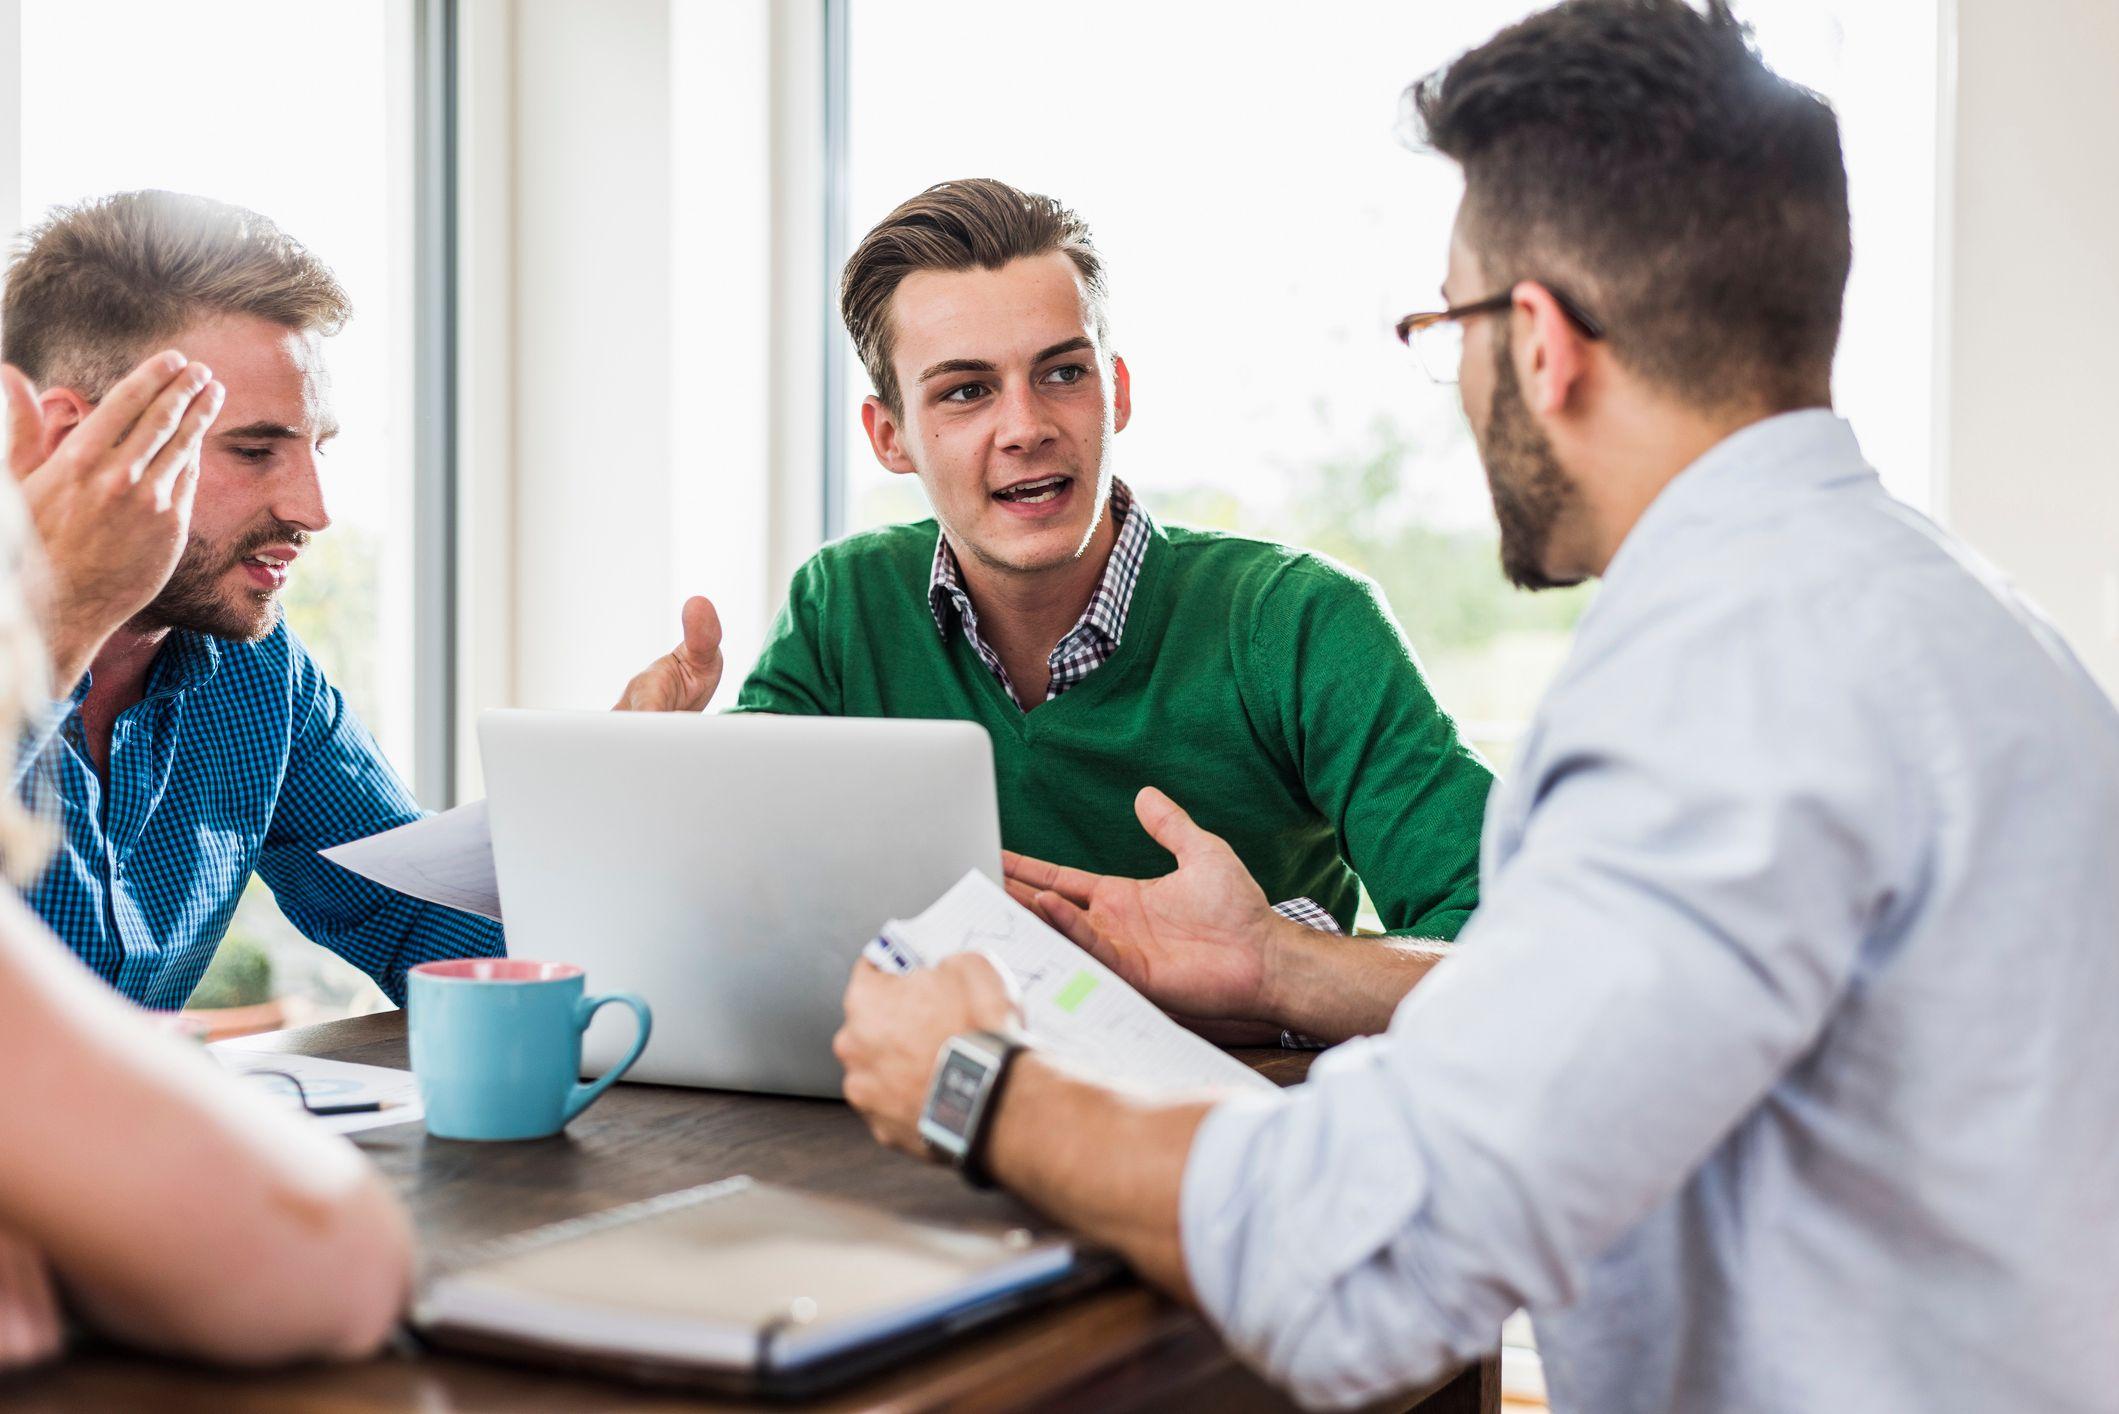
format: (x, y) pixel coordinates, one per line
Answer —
(1685, 903)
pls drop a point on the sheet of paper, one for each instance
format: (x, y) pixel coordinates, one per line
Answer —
(445, 859)
(1074, 1006)
(329, 1082)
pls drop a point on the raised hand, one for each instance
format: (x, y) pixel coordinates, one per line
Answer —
(112, 503)
(1197, 942)
(683, 679)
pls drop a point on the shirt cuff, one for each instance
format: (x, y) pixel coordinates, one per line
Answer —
(1306, 912)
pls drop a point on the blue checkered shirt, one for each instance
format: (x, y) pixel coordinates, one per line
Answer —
(238, 757)
(1087, 646)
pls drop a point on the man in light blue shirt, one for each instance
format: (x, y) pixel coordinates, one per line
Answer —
(1776, 1070)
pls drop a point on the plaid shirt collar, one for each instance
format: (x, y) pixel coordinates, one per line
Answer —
(1095, 635)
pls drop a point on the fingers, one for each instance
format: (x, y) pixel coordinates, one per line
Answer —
(184, 489)
(25, 422)
(158, 425)
(1076, 884)
(992, 1000)
(983, 975)
(1073, 924)
(683, 679)
(122, 405)
(1165, 820)
(865, 975)
(181, 452)
(702, 632)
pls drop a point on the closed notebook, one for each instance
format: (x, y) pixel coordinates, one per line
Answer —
(741, 1278)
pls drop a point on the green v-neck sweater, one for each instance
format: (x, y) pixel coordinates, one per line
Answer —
(1266, 690)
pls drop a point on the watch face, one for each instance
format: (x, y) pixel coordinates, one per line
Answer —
(956, 1090)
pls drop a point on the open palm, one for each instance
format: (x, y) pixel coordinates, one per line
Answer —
(1193, 941)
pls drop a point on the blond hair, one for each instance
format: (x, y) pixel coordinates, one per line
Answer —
(94, 287)
(978, 223)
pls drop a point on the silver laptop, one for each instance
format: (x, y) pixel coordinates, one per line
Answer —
(728, 869)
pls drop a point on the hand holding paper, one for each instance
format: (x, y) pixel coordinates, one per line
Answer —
(1074, 1008)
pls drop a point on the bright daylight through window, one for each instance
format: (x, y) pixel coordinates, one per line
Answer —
(1263, 229)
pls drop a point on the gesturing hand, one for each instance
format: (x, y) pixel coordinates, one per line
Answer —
(683, 679)
(112, 503)
(1195, 942)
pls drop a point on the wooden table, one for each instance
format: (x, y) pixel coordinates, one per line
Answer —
(1122, 1347)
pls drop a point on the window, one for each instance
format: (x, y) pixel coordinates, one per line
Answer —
(1263, 228)
(302, 112)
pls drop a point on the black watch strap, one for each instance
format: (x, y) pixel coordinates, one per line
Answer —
(981, 1136)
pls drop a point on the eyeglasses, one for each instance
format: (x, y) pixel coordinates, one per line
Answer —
(1437, 339)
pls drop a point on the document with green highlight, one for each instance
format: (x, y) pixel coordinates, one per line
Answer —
(1074, 1007)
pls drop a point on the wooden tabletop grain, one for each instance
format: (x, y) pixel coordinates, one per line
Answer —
(1122, 1347)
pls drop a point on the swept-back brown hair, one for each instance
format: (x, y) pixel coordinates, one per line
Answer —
(94, 287)
(978, 223)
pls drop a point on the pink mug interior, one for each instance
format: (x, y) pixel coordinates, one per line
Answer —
(498, 969)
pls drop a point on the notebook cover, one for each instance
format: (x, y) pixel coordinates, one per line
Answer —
(761, 1374)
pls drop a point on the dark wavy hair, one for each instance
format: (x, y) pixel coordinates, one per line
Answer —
(1641, 154)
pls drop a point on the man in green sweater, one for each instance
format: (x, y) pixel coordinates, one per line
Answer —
(1266, 689)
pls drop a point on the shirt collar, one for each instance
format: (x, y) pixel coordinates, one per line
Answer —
(950, 602)
(188, 660)
(1788, 452)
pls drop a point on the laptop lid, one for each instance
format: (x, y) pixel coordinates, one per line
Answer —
(728, 868)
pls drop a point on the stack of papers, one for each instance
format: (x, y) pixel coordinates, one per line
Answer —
(1076, 1009)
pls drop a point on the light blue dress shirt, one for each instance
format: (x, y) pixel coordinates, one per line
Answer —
(1779, 1068)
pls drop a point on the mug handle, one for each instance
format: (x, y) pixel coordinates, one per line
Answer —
(585, 1010)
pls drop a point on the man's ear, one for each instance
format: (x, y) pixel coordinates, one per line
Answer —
(885, 435)
(1121, 394)
(1550, 350)
(64, 409)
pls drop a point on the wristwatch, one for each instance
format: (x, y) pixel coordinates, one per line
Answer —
(966, 1089)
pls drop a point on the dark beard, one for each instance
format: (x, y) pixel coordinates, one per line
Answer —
(1530, 491)
(194, 600)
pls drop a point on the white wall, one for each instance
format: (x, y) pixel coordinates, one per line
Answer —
(594, 333)
(642, 334)
(2029, 299)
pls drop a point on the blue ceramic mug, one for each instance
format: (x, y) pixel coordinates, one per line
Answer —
(496, 1045)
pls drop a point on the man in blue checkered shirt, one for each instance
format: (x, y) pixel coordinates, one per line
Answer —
(195, 741)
